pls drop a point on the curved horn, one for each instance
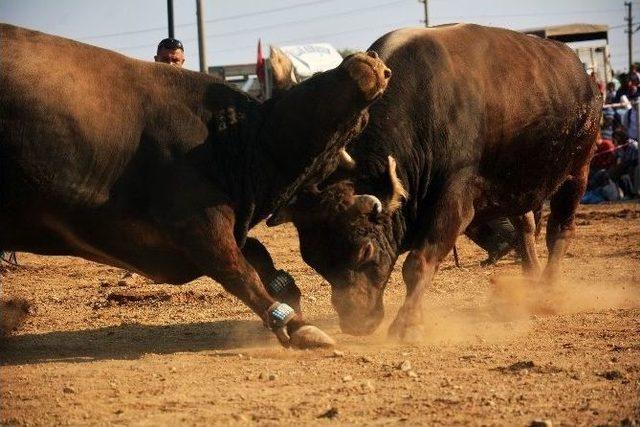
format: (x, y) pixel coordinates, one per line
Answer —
(398, 193)
(283, 215)
(367, 203)
(346, 161)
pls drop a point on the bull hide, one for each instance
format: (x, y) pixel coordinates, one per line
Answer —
(161, 170)
(478, 123)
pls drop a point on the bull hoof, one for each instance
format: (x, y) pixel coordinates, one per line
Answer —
(369, 72)
(309, 336)
(409, 333)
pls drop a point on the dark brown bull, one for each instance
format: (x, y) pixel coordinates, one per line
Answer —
(478, 123)
(162, 171)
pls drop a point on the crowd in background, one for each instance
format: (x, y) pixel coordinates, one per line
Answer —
(614, 173)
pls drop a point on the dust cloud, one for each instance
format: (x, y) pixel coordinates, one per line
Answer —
(508, 307)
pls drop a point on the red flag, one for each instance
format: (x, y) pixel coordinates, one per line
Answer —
(260, 64)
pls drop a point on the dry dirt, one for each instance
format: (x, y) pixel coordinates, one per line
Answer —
(499, 351)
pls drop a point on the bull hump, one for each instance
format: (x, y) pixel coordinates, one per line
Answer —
(396, 40)
(399, 38)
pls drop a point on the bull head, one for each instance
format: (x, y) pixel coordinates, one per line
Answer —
(348, 239)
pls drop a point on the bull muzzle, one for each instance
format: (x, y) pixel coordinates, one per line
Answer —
(360, 311)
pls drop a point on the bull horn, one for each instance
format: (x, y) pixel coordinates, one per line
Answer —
(346, 161)
(367, 203)
(398, 194)
(282, 215)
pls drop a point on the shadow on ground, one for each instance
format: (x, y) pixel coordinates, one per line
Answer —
(132, 341)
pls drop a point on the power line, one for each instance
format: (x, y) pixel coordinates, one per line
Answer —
(226, 18)
(531, 14)
(280, 24)
(304, 21)
(318, 36)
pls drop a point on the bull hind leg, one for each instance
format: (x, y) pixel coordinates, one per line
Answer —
(526, 228)
(561, 223)
(451, 216)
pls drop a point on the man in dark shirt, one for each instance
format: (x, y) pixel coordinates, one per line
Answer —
(170, 51)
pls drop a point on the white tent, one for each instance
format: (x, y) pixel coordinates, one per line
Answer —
(309, 59)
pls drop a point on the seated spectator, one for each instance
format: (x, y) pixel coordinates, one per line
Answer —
(600, 187)
(604, 157)
(603, 189)
(609, 123)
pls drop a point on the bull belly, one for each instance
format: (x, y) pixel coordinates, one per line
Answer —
(135, 249)
(507, 200)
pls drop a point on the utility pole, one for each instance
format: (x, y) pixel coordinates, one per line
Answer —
(201, 45)
(629, 31)
(170, 16)
(426, 11)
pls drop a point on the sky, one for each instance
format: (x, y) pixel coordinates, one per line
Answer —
(232, 28)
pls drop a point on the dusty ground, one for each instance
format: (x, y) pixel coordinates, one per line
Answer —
(193, 355)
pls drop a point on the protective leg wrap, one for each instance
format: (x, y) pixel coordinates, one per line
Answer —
(280, 283)
(278, 315)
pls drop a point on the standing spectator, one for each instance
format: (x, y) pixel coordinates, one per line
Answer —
(170, 51)
(610, 95)
(632, 91)
(634, 75)
(626, 162)
(628, 91)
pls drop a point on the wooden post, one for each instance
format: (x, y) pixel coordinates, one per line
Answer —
(170, 17)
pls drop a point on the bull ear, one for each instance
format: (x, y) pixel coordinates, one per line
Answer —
(398, 193)
(282, 69)
(346, 161)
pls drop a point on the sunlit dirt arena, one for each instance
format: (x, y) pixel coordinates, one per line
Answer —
(100, 348)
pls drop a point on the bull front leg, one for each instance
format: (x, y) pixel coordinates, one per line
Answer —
(280, 285)
(452, 214)
(212, 246)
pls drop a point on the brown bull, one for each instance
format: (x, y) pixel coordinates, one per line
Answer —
(163, 171)
(478, 123)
